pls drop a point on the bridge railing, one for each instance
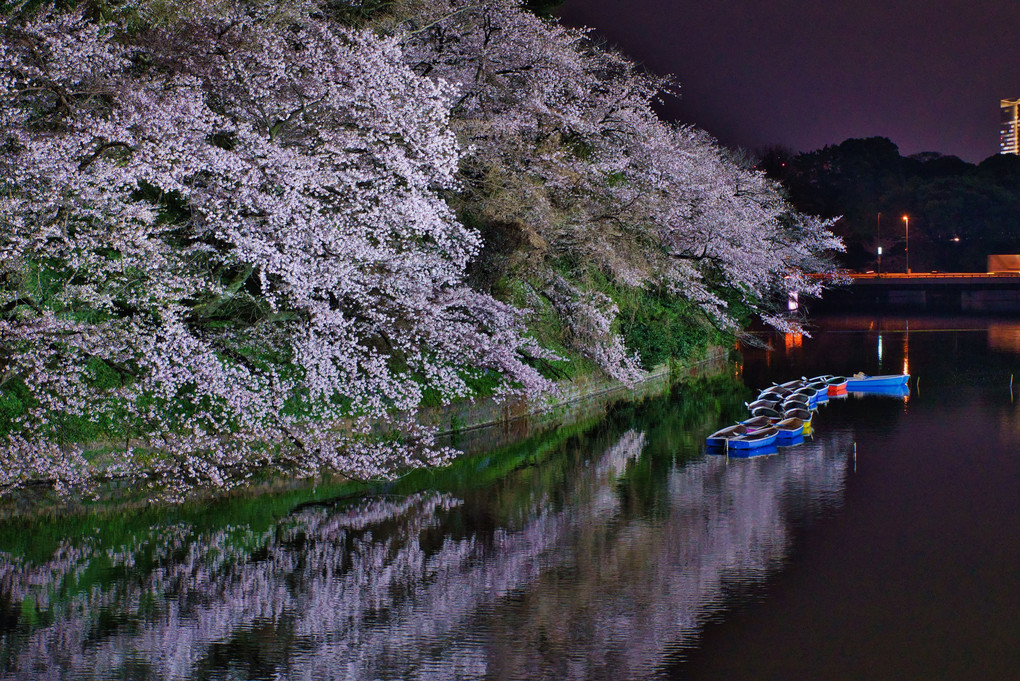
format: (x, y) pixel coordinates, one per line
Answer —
(934, 275)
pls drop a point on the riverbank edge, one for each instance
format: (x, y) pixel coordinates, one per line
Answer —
(467, 426)
(470, 427)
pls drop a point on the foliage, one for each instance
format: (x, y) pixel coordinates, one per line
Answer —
(314, 267)
(573, 171)
(264, 233)
(660, 327)
(959, 213)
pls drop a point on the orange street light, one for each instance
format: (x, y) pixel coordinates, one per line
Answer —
(906, 250)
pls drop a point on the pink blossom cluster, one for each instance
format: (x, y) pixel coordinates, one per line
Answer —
(232, 236)
(242, 219)
(564, 141)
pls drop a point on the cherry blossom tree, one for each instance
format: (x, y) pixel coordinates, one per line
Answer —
(566, 147)
(237, 222)
(718, 226)
(241, 233)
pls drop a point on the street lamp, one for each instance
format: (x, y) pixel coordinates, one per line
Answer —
(906, 250)
(878, 239)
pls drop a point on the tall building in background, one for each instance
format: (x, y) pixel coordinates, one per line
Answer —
(1009, 130)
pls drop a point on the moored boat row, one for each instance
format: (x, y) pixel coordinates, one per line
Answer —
(782, 413)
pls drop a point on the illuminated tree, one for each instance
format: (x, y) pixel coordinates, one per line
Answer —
(565, 146)
(223, 242)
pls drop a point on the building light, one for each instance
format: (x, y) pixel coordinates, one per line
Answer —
(1009, 133)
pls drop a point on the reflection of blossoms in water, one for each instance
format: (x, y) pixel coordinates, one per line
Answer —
(642, 590)
(320, 571)
(389, 589)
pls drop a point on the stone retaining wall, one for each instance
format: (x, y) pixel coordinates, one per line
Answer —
(486, 423)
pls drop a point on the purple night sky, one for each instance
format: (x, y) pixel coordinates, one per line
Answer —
(803, 74)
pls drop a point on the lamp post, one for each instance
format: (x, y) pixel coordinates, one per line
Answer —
(878, 238)
(906, 251)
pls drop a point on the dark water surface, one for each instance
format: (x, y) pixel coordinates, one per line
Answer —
(887, 546)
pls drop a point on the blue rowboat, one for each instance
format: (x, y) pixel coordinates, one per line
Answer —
(774, 392)
(771, 403)
(859, 382)
(720, 437)
(806, 391)
(762, 437)
(798, 402)
(789, 429)
(802, 414)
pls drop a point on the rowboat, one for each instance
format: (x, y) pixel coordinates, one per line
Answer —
(774, 391)
(836, 385)
(807, 391)
(771, 403)
(802, 414)
(720, 437)
(767, 411)
(863, 382)
(758, 422)
(758, 438)
(796, 402)
(789, 429)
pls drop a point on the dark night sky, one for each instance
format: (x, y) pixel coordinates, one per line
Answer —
(802, 73)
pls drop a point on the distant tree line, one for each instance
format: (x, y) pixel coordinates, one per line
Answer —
(959, 212)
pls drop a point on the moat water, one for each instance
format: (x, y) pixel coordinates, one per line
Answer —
(885, 546)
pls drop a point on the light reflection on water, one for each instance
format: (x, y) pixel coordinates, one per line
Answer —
(593, 577)
(1004, 337)
(916, 576)
(886, 547)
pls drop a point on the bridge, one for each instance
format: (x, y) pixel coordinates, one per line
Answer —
(981, 292)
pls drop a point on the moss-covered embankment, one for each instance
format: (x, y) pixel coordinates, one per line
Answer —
(503, 431)
(486, 423)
